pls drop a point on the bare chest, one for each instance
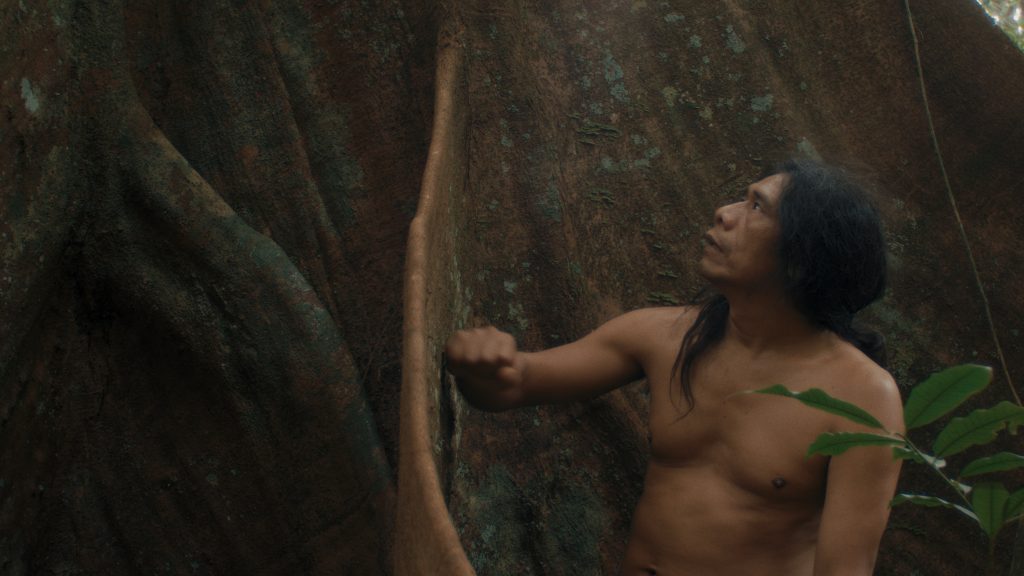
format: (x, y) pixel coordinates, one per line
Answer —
(756, 443)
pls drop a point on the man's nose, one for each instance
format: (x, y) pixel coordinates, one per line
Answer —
(724, 215)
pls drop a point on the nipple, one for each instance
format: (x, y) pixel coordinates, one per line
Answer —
(779, 483)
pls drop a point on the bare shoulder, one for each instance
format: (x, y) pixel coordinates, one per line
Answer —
(643, 329)
(654, 323)
(858, 379)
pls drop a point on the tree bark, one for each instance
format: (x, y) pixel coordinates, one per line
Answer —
(203, 219)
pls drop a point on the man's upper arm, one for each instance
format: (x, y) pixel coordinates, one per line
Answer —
(608, 357)
(860, 485)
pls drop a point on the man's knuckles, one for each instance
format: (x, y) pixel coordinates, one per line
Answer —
(481, 346)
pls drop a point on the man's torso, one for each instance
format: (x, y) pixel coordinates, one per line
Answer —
(729, 489)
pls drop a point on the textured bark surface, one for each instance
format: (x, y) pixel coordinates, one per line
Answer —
(203, 219)
(201, 296)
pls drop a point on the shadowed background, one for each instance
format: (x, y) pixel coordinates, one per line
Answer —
(204, 216)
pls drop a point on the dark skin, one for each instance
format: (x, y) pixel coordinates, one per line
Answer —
(728, 489)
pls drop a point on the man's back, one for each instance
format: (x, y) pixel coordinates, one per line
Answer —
(729, 489)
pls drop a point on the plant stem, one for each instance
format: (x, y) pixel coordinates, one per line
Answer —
(1017, 562)
(954, 485)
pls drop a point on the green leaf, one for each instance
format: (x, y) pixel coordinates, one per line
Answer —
(817, 398)
(940, 393)
(966, 489)
(989, 504)
(931, 502)
(978, 427)
(904, 453)
(1015, 504)
(998, 463)
(921, 500)
(835, 443)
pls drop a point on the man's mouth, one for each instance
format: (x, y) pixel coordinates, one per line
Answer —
(708, 240)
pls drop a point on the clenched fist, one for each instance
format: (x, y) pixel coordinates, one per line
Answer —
(487, 367)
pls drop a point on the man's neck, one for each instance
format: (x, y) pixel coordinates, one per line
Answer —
(765, 320)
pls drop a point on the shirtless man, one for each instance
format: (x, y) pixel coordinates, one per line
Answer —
(729, 490)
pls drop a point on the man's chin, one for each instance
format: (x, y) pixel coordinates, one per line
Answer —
(710, 273)
(705, 270)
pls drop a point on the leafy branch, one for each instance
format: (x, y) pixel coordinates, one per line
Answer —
(989, 504)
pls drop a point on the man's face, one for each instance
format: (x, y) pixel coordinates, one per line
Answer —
(741, 250)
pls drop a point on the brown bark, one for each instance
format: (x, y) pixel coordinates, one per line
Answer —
(184, 226)
(203, 219)
(601, 137)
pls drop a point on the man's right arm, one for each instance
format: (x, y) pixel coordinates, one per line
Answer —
(494, 375)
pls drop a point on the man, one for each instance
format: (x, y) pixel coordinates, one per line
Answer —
(728, 489)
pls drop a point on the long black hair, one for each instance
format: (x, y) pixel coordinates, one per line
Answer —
(832, 256)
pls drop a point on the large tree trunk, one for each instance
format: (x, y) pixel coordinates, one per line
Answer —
(203, 221)
(199, 287)
(596, 141)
